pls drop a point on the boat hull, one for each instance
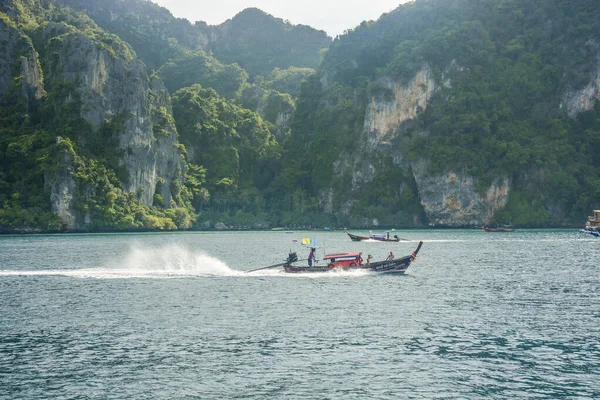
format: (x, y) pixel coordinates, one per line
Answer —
(498, 230)
(591, 232)
(358, 238)
(396, 266)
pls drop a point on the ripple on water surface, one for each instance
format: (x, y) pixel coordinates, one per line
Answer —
(175, 316)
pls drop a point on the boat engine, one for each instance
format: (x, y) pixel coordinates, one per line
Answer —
(292, 257)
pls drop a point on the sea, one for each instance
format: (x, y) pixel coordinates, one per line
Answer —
(176, 316)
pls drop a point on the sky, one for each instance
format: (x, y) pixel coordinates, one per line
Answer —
(332, 16)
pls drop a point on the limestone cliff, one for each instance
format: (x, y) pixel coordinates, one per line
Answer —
(577, 101)
(450, 198)
(19, 58)
(63, 192)
(115, 87)
(112, 87)
(396, 105)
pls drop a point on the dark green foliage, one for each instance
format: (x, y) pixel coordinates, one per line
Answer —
(233, 145)
(23, 197)
(288, 80)
(47, 139)
(199, 68)
(259, 42)
(151, 30)
(253, 39)
(277, 103)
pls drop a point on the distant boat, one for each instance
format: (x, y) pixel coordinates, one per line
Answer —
(590, 231)
(380, 237)
(497, 229)
(592, 225)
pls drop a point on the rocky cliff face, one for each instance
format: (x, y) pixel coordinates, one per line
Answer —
(449, 199)
(577, 101)
(8, 40)
(452, 199)
(18, 53)
(111, 87)
(398, 105)
(62, 193)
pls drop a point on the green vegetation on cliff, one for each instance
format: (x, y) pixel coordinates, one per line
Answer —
(502, 69)
(45, 139)
(199, 68)
(273, 136)
(259, 42)
(234, 146)
(255, 40)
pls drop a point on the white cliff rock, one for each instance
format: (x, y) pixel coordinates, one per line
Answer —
(578, 101)
(451, 199)
(385, 117)
(117, 87)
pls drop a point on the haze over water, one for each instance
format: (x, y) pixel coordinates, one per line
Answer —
(166, 316)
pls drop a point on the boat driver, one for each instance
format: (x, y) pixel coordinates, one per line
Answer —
(311, 257)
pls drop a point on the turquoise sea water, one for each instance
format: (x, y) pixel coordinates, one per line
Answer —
(173, 316)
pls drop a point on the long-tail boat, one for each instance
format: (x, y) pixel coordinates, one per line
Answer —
(497, 229)
(380, 237)
(353, 261)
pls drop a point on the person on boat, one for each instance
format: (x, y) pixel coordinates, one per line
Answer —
(390, 256)
(369, 259)
(311, 257)
(359, 259)
(388, 236)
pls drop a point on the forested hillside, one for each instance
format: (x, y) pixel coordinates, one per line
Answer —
(253, 59)
(88, 140)
(257, 41)
(114, 115)
(486, 108)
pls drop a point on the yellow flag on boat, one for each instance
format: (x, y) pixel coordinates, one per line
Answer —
(306, 241)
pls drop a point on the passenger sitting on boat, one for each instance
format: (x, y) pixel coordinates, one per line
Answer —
(369, 259)
(311, 257)
(359, 259)
(390, 256)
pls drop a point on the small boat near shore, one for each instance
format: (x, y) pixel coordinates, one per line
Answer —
(501, 230)
(590, 231)
(353, 262)
(380, 237)
(592, 225)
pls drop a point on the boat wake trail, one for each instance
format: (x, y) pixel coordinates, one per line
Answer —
(159, 263)
(170, 261)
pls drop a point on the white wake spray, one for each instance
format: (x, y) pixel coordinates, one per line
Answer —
(157, 262)
(174, 260)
